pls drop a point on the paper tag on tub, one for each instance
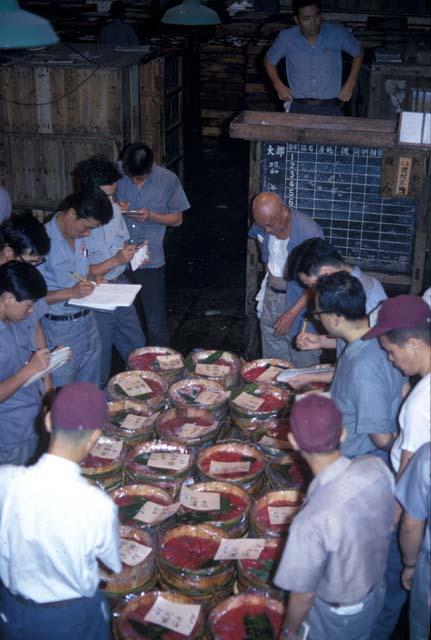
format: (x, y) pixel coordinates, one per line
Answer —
(229, 467)
(170, 362)
(212, 370)
(247, 401)
(135, 386)
(133, 422)
(190, 430)
(199, 500)
(175, 461)
(281, 515)
(273, 442)
(270, 374)
(151, 512)
(211, 397)
(133, 553)
(108, 449)
(240, 549)
(174, 615)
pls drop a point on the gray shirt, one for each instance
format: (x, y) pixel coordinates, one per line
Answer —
(61, 261)
(162, 193)
(414, 491)
(338, 543)
(374, 295)
(105, 241)
(367, 390)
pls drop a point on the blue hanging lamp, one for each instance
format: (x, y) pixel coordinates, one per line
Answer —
(191, 12)
(21, 29)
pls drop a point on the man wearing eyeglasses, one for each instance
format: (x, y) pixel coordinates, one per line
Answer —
(366, 388)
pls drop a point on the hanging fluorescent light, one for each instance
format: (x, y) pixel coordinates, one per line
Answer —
(191, 12)
(21, 29)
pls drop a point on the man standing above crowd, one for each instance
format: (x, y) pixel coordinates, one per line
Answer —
(312, 51)
(366, 388)
(152, 199)
(335, 556)
(278, 230)
(54, 527)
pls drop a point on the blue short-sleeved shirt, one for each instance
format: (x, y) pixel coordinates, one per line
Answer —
(105, 241)
(162, 192)
(18, 412)
(367, 390)
(61, 261)
(414, 491)
(314, 71)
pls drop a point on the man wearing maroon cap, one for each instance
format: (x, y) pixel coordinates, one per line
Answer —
(54, 527)
(335, 556)
(403, 329)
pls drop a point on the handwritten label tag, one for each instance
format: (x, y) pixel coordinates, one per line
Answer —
(174, 615)
(175, 461)
(133, 422)
(281, 515)
(229, 467)
(199, 500)
(270, 374)
(150, 512)
(212, 397)
(273, 442)
(133, 553)
(212, 370)
(240, 549)
(135, 386)
(190, 430)
(106, 448)
(170, 362)
(247, 401)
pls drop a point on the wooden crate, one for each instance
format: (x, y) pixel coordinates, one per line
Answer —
(61, 108)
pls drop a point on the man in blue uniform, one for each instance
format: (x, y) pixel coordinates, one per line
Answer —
(69, 229)
(312, 51)
(21, 285)
(156, 200)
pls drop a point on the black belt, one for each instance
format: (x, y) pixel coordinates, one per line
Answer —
(68, 316)
(277, 290)
(31, 603)
(316, 101)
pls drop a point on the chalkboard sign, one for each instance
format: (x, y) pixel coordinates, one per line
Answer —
(339, 186)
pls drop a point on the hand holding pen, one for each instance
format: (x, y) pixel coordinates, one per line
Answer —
(82, 288)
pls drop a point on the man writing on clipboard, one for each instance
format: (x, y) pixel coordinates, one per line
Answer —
(312, 50)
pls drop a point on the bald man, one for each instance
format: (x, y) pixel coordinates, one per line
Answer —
(278, 230)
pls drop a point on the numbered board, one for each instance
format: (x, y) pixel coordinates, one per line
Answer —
(339, 186)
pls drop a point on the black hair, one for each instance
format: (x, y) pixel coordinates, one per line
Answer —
(342, 294)
(311, 255)
(300, 4)
(96, 171)
(91, 203)
(118, 9)
(137, 159)
(22, 280)
(400, 336)
(24, 235)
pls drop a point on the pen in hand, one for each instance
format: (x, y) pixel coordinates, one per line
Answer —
(79, 277)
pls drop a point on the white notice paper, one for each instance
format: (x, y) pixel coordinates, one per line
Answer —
(167, 362)
(59, 357)
(107, 448)
(174, 615)
(151, 512)
(133, 553)
(281, 515)
(270, 374)
(415, 128)
(175, 461)
(135, 386)
(247, 401)
(107, 297)
(240, 549)
(212, 370)
(133, 422)
(190, 430)
(141, 257)
(199, 500)
(229, 467)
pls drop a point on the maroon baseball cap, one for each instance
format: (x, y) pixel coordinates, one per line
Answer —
(400, 312)
(316, 423)
(79, 406)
